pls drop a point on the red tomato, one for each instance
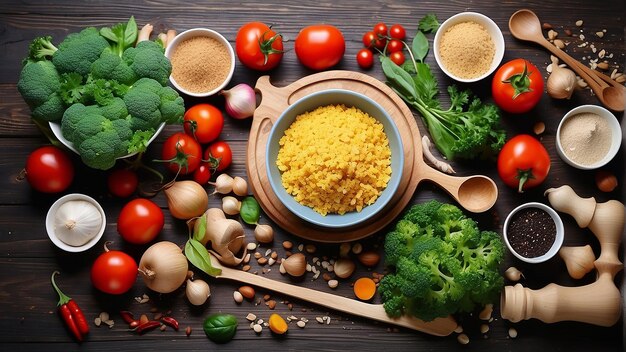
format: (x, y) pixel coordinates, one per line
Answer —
(202, 175)
(368, 39)
(394, 45)
(258, 47)
(320, 47)
(122, 182)
(49, 170)
(380, 43)
(397, 32)
(221, 151)
(380, 29)
(114, 272)
(204, 122)
(140, 221)
(182, 153)
(397, 58)
(517, 86)
(523, 162)
(365, 58)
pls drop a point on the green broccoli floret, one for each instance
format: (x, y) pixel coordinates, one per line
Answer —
(443, 263)
(143, 106)
(51, 110)
(172, 105)
(110, 66)
(40, 48)
(79, 51)
(115, 109)
(147, 60)
(100, 151)
(38, 82)
(72, 116)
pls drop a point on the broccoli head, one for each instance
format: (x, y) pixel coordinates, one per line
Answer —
(147, 60)
(441, 263)
(111, 67)
(39, 82)
(40, 48)
(172, 105)
(143, 106)
(79, 51)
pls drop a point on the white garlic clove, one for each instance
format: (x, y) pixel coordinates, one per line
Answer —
(76, 222)
(197, 292)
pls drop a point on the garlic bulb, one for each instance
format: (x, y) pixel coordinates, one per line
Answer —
(240, 101)
(197, 292)
(240, 186)
(76, 222)
(231, 205)
(163, 267)
(223, 184)
(264, 233)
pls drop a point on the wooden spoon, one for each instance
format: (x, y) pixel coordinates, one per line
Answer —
(525, 25)
(437, 327)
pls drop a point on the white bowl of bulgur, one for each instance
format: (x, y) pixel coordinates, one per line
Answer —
(203, 62)
(468, 47)
(334, 158)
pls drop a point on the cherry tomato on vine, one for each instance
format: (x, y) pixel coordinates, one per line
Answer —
(114, 272)
(380, 29)
(204, 122)
(365, 58)
(122, 182)
(369, 38)
(396, 31)
(182, 152)
(221, 151)
(517, 86)
(523, 162)
(140, 221)
(397, 58)
(49, 170)
(258, 47)
(202, 175)
(394, 45)
(320, 47)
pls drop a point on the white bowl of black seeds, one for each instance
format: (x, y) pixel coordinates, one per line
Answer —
(533, 232)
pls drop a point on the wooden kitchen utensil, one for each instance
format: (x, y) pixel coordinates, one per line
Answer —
(474, 193)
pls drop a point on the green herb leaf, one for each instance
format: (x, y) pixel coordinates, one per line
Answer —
(108, 34)
(121, 35)
(399, 79)
(429, 23)
(200, 231)
(250, 210)
(220, 328)
(130, 32)
(72, 89)
(420, 46)
(139, 141)
(200, 257)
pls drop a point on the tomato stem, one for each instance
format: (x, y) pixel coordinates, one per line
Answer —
(520, 81)
(265, 45)
(523, 176)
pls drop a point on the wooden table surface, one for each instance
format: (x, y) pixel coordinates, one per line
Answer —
(28, 319)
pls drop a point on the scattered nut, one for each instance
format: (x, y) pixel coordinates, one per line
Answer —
(357, 248)
(552, 34)
(559, 43)
(333, 283)
(237, 296)
(484, 328)
(271, 304)
(251, 246)
(262, 261)
(579, 23)
(512, 333)
(539, 128)
(319, 320)
(344, 249)
(620, 79)
(602, 53)
(369, 258)
(97, 321)
(246, 268)
(485, 314)
(463, 339)
(582, 84)
(600, 34)
(603, 65)
(546, 25)
(301, 324)
(459, 329)
(251, 317)
(247, 292)
(568, 32)
(257, 328)
(310, 248)
(188, 331)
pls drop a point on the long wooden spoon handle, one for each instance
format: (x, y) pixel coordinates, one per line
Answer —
(437, 327)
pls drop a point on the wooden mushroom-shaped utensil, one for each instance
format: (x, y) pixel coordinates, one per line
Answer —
(579, 260)
(598, 303)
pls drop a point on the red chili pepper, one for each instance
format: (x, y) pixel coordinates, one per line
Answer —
(171, 322)
(145, 327)
(71, 313)
(127, 316)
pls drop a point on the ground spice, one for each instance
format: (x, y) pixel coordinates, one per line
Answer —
(531, 232)
(200, 64)
(467, 50)
(586, 138)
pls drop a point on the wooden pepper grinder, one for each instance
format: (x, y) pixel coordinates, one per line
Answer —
(598, 303)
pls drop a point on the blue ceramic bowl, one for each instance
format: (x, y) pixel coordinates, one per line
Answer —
(311, 102)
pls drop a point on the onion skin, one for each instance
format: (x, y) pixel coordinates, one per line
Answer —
(186, 199)
(163, 267)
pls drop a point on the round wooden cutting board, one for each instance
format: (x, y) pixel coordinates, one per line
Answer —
(274, 100)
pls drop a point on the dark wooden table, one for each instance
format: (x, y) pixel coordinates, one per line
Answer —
(28, 319)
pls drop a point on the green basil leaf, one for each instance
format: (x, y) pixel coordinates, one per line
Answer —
(130, 32)
(220, 328)
(420, 46)
(402, 80)
(200, 230)
(250, 210)
(198, 255)
(108, 34)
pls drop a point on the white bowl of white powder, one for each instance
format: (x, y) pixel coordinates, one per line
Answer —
(588, 137)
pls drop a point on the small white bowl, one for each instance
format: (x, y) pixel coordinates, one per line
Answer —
(616, 136)
(489, 25)
(50, 223)
(201, 32)
(558, 241)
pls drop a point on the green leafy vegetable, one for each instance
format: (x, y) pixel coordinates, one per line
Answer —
(429, 23)
(220, 328)
(200, 257)
(441, 263)
(468, 129)
(250, 210)
(122, 36)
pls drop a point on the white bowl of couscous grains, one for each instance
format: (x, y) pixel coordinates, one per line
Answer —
(203, 62)
(334, 158)
(468, 47)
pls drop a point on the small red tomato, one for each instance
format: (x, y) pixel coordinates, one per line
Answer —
(140, 221)
(517, 86)
(122, 182)
(397, 58)
(365, 58)
(394, 45)
(320, 47)
(182, 152)
(202, 175)
(204, 122)
(397, 32)
(523, 162)
(380, 29)
(221, 151)
(368, 39)
(114, 272)
(258, 46)
(380, 43)
(49, 170)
